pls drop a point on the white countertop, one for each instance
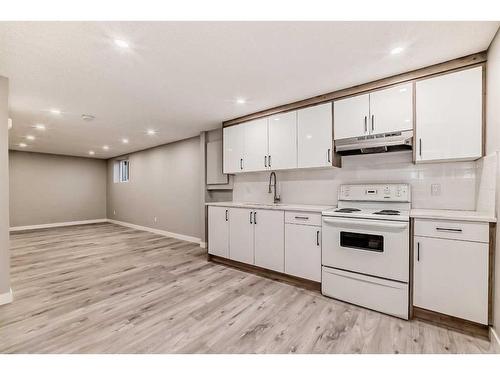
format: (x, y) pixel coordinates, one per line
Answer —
(452, 215)
(270, 206)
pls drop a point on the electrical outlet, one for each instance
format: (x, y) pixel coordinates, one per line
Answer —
(155, 219)
(435, 189)
(114, 212)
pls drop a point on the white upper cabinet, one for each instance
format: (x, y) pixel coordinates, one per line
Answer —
(449, 116)
(391, 110)
(233, 148)
(314, 132)
(256, 146)
(383, 111)
(282, 141)
(351, 116)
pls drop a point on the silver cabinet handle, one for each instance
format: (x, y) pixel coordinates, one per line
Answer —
(226, 216)
(265, 161)
(269, 161)
(302, 217)
(420, 147)
(455, 230)
(373, 122)
(329, 159)
(251, 212)
(366, 124)
(241, 163)
(255, 217)
(317, 238)
(418, 251)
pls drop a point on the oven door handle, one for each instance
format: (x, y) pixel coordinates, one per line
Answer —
(365, 223)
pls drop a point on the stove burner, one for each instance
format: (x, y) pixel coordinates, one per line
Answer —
(348, 210)
(387, 212)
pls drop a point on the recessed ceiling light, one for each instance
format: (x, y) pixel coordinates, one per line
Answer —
(105, 148)
(151, 132)
(91, 152)
(40, 127)
(241, 101)
(30, 138)
(121, 43)
(397, 50)
(22, 145)
(125, 140)
(55, 111)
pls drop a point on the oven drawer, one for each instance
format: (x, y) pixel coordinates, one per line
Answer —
(306, 218)
(454, 230)
(390, 297)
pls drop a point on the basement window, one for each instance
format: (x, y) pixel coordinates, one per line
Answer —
(121, 171)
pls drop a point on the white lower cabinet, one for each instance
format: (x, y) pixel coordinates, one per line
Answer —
(270, 239)
(218, 231)
(451, 276)
(241, 235)
(303, 251)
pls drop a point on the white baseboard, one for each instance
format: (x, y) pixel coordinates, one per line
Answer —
(6, 297)
(158, 231)
(496, 339)
(55, 225)
(203, 245)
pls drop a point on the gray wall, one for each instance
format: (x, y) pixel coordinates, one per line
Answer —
(164, 183)
(47, 188)
(4, 187)
(493, 145)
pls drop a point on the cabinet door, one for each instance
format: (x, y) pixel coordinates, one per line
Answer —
(314, 132)
(449, 116)
(218, 231)
(351, 116)
(283, 141)
(303, 251)
(451, 277)
(233, 149)
(256, 146)
(270, 239)
(241, 235)
(391, 110)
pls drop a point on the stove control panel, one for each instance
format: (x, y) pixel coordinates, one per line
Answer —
(375, 192)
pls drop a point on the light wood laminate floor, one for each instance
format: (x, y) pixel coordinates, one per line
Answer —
(104, 288)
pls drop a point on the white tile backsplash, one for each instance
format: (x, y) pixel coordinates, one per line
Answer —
(486, 183)
(458, 181)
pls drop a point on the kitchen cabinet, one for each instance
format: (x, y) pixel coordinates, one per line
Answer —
(218, 231)
(351, 116)
(382, 111)
(391, 110)
(314, 133)
(241, 235)
(303, 251)
(450, 276)
(269, 239)
(255, 145)
(449, 110)
(233, 148)
(282, 141)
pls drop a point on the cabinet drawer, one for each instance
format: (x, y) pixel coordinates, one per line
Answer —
(306, 218)
(454, 230)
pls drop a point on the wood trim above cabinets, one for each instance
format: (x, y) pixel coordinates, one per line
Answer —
(444, 67)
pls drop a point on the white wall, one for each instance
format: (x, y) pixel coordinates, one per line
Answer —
(457, 180)
(493, 145)
(4, 189)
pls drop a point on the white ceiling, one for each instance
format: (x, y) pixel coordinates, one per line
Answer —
(180, 78)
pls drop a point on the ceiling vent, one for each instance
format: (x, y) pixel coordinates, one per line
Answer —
(87, 117)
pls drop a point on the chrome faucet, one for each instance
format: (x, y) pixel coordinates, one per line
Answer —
(276, 196)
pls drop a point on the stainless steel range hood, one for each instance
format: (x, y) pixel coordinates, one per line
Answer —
(369, 144)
